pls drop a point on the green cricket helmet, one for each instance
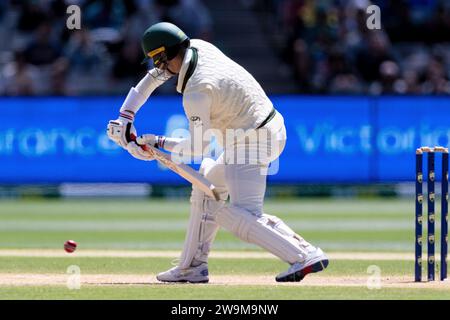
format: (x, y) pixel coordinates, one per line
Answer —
(162, 41)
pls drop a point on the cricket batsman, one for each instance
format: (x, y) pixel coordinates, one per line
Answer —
(219, 96)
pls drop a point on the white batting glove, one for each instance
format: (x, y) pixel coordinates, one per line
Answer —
(136, 150)
(152, 140)
(121, 129)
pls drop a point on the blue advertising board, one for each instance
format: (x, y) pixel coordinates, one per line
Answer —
(331, 139)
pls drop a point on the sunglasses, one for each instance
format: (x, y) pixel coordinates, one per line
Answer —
(159, 57)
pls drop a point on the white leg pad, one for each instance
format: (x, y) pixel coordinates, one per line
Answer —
(202, 228)
(284, 229)
(266, 231)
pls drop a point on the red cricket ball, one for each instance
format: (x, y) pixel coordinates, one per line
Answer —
(70, 246)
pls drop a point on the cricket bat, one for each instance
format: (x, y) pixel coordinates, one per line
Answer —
(183, 170)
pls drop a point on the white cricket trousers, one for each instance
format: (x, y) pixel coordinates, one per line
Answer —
(240, 174)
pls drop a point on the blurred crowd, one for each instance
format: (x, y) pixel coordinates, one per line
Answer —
(332, 50)
(325, 42)
(39, 55)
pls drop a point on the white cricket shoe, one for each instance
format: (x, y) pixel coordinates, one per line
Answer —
(197, 274)
(315, 262)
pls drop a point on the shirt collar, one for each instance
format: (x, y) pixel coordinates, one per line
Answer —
(184, 67)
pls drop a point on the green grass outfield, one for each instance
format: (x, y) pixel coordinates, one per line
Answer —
(143, 237)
